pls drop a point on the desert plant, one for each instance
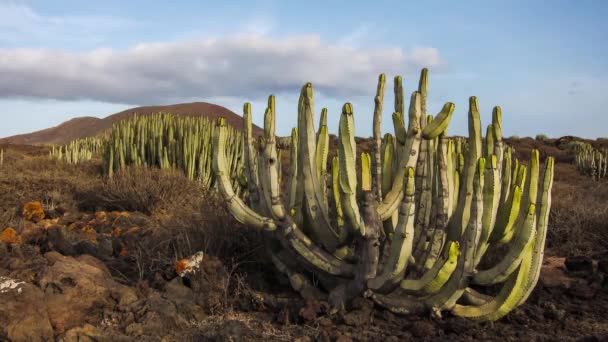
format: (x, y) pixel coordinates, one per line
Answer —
(410, 229)
(78, 150)
(590, 161)
(169, 141)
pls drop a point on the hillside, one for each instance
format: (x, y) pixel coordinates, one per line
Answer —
(90, 126)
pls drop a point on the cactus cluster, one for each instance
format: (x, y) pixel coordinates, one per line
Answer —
(407, 226)
(78, 150)
(170, 141)
(590, 161)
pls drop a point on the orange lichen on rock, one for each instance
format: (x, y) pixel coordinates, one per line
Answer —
(101, 216)
(48, 223)
(10, 236)
(91, 233)
(188, 265)
(116, 231)
(33, 211)
(181, 266)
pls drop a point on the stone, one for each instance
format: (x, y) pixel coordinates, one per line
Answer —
(581, 264)
(77, 291)
(23, 313)
(33, 211)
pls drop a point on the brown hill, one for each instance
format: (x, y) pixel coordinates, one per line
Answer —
(90, 126)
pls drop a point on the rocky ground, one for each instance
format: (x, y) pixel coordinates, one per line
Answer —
(91, 272)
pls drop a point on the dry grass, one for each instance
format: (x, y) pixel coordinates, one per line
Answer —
(140, 189)
(28, 174)
(578, 223)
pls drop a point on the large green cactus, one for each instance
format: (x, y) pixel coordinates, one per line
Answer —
(413, 224)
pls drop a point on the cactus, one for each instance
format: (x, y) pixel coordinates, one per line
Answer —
(590, 161)
(78, 150)
(168, 141)
(413, 224)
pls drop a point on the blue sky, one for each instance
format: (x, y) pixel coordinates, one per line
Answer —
(544, 62)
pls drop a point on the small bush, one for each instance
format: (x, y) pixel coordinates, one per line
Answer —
(541, 137)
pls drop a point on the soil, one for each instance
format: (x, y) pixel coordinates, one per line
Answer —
(76, 276)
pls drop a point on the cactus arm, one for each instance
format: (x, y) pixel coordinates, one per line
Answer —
(299, 282)
(348, 176)
(401, 243)
(509, 263)
(398, 303)
(315, 205)
(322, 147)
(377, 128)
(454, 288)
(529, 189)
(505, 173)
(507, 299)
(544, 205)
(435, 277)
(249, 154)
(388, 150)
(408, 159)
(489, 146)
(476, 219)
(440, 122)
(335, 169)
(491, 198)
(508, 213)
(443, 205)
(399, 103)
(460, 218)
(497, 132)
(423, 86)
(240, 211)
(295, 196)
(312, 254)
(269, 164)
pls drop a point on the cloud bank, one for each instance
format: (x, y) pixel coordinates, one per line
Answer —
(240, 65)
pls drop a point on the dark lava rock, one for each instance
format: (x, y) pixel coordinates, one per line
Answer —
(579, 264)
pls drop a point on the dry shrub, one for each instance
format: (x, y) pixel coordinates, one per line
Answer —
(186, 218)
(139, 189)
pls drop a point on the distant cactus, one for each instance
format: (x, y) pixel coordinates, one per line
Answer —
(170, 141)
(78, 151)
(407, 226)
(590, 161)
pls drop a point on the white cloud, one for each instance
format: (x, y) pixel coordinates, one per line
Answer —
(19, 22)
(239, 65)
